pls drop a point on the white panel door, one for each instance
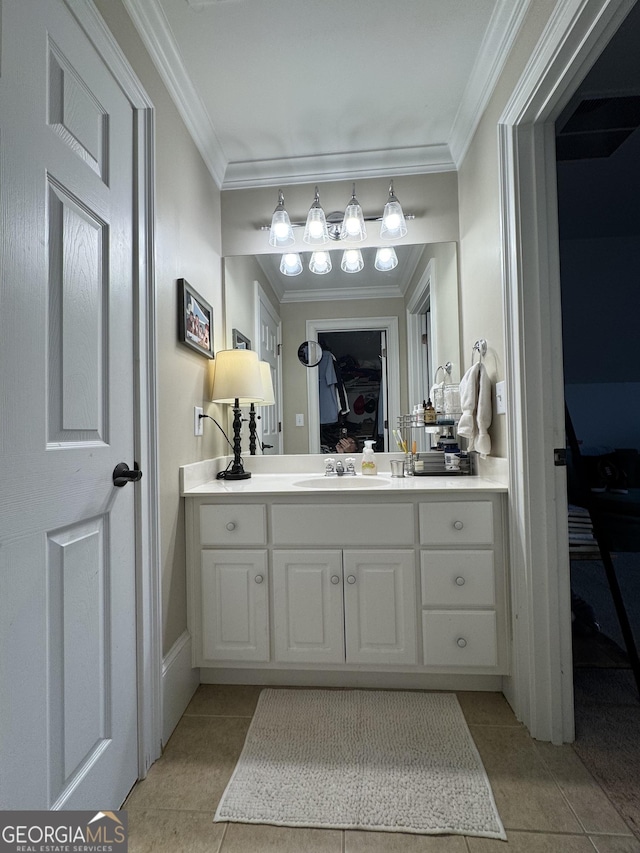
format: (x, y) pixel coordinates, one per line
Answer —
(380, 606)
(234, 601)
(308, 620)
(68, 699)
(269, 423)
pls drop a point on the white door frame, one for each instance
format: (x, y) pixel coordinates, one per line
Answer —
(261, 300)
(348, 324)
(540, 688)
(148, 603)
(423, 296)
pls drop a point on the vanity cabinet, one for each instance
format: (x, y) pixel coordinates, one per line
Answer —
(459, 589)
(405, 582)
(352, 606)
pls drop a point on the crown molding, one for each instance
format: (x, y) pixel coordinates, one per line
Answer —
(351, 165)
(153, 28)
(503, 29)
(338, 294)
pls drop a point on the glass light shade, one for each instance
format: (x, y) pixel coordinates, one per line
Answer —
(393, 223)
(315, 231)
(291, 264)
(352, 260)
(320, 263)
(236, 376)
(281, 232)
(353, 227)
(386, 259)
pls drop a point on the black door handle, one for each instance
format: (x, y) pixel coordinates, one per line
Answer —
(122, 474)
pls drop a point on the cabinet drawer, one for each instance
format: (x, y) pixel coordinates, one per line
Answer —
(232, 524)
(456, 523)
(328, 525)
(459, 638)
(457, 578)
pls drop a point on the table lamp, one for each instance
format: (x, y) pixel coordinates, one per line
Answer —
(236, 377)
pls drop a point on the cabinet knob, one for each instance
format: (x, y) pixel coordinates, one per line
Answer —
(351, 579)
(259, 578)
(458, 525)
(461, 642)
(335, 579)
(230, 525)
(460, 581)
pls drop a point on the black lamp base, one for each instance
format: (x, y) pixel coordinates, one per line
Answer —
(237, 475)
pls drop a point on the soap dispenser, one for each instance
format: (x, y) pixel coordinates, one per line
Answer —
(368, 458)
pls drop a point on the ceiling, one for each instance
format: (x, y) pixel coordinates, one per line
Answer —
(297, 91)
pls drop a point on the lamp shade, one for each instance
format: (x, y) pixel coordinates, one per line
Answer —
(353, 227)
(237, 376)
(291, 263)
(281, 232)
(352, 260)
(393, 222)
(267, 384)
(315, 230)
(386, 259)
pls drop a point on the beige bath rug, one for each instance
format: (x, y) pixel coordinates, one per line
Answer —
(361, 759)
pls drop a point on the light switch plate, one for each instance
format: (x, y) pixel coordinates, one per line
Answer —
(501, 400)
(299, 420)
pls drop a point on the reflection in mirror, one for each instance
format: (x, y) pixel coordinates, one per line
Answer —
(310, 353)
(421, 292)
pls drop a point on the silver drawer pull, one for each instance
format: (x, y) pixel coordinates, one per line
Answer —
(259, 578)
(351, 579)
(461, 642)
(230, 525)
(458, 525)
(335, 579)
(460, 581)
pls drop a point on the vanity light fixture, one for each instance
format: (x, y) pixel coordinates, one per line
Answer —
(291, 263)
(393, 220)
(386, 259)
(281, 232)
(315, 230)
(320, 263)
(353, 227)
(352, 261)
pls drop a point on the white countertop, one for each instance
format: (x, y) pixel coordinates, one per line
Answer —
(304, 475)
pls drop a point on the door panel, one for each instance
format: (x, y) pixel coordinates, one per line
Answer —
(67, 537)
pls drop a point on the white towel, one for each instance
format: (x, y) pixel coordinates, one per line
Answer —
(475, 401)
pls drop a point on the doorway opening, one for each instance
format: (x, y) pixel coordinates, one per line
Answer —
(355, 408)
(389, 374)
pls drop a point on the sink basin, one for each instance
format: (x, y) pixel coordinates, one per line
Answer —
(346, 482)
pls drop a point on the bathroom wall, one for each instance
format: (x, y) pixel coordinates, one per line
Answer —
(187, 245)
(482, 310)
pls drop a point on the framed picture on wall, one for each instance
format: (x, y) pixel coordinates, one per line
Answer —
(195, 320)
(239, 341)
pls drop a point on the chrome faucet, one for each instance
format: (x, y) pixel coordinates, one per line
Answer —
(351, 465)
(329, 467)
(339, 468)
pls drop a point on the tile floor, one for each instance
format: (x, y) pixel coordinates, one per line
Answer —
(548, 801)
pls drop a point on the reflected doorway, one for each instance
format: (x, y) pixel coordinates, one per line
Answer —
(352, 389)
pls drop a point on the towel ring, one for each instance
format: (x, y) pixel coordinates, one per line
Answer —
(480, 347)
(447, 367)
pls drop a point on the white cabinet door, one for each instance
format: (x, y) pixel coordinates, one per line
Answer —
(234, 606)
(380, 607)
(308, 621)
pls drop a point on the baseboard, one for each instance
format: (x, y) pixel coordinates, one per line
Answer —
(179, 682)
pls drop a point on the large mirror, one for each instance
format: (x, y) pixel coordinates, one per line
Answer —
(387, 332)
